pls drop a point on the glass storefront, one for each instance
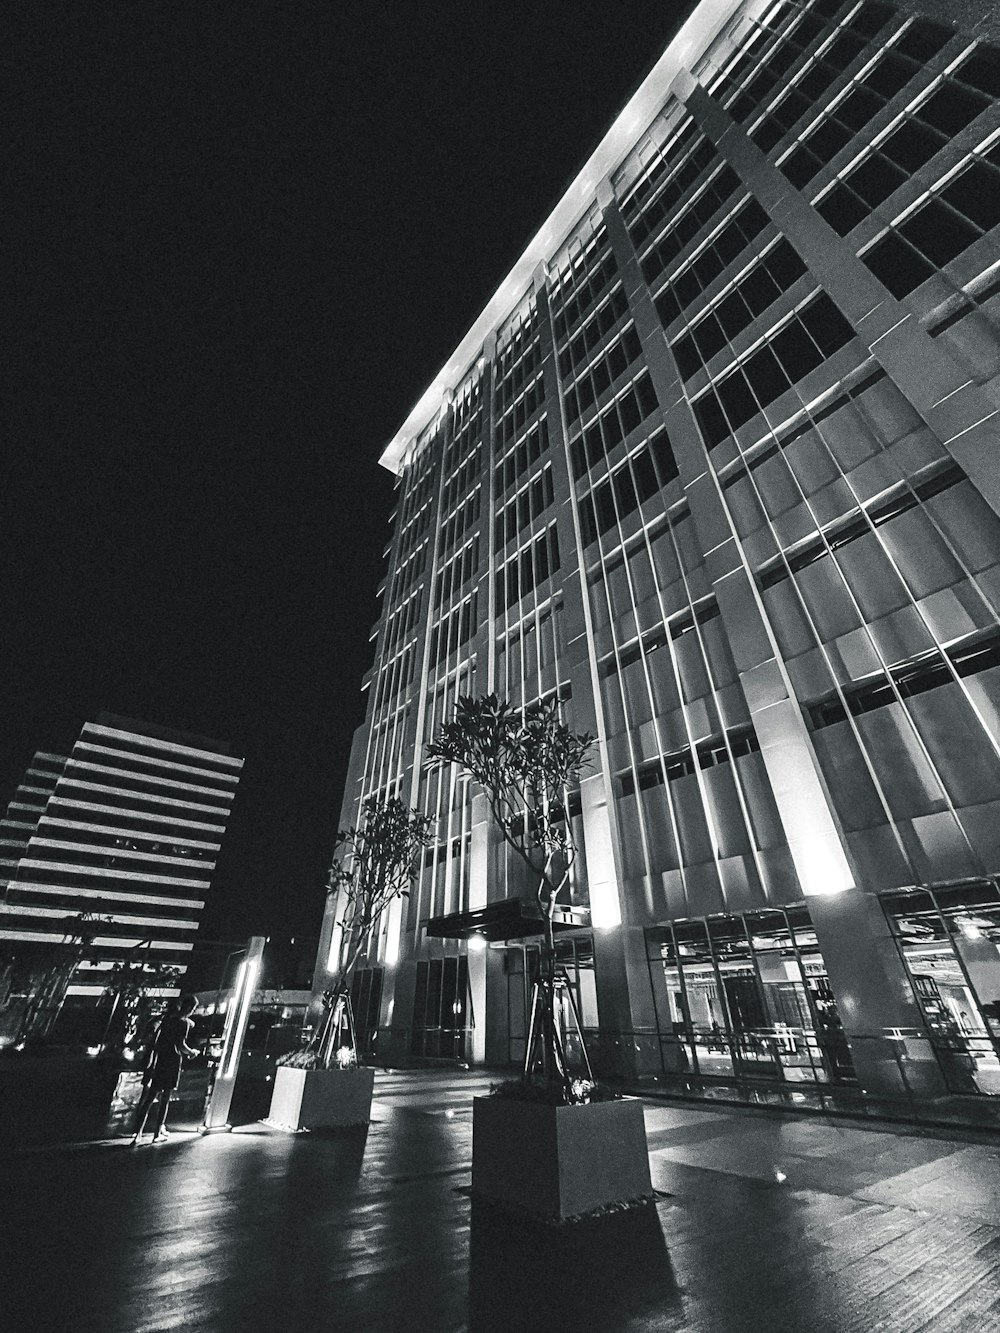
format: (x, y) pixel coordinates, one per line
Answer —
(949, 939)
(746, 997)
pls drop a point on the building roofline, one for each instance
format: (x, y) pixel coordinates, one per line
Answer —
(689, 43)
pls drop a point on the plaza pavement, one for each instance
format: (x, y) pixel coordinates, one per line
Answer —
(769, 1222)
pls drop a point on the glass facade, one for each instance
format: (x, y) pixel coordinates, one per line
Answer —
(716, 471)
(747, 998)
(948, 940)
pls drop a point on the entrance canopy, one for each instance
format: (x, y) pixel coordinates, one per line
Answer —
(508, 919)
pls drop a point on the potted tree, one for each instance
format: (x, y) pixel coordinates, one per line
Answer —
(554, 1143)
(324, 1085)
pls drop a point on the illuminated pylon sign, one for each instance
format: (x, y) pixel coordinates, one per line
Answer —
(217, 1111)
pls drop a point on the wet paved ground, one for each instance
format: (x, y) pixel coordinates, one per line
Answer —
(777, 1223)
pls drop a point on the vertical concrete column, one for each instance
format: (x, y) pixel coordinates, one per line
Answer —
(628, 1040)
(863, 964)
(482, 999)
(956, 409)
(495, 1022)
(396, 1018)
(487, 983)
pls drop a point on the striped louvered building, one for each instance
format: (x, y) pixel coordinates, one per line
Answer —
(126, 830)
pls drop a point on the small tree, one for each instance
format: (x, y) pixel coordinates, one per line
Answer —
(50, 982)
(526, 761)
(127, 989)
(374, 863)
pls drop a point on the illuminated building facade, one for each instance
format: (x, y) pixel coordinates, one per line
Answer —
(126, 829)
(717, 467)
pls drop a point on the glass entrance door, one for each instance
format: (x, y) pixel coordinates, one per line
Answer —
(442, 1009)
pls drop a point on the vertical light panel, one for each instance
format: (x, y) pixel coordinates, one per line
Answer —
(217, 1111)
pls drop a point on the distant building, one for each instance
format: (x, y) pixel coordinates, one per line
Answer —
(126, 830)
(717, 469)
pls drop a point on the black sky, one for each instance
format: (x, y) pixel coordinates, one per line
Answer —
(238, 241)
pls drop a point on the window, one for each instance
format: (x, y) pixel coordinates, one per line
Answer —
(949, 222)
(614, 425)
(527, 505)
(523, 456)
(650, 215)
(747, 223)
(923, 40)
(602, 373)
(525, 571)
(758, 289)
(928, 672)
(689, 222)
(652, 467)
(792, 351)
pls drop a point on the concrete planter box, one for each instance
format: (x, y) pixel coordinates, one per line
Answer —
(558, 1162)
(321, 1098)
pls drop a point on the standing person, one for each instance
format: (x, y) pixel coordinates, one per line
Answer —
(163, 1071)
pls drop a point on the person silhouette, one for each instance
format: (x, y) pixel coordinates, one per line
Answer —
(163, 1070)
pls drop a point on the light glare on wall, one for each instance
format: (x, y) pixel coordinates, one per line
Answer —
(605, 911)
(333, 957)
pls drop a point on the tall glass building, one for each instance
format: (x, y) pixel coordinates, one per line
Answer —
(718, 468)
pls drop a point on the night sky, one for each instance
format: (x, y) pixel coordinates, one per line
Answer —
(238, 242)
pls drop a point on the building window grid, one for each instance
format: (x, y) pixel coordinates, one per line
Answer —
(518, 376)
(525, 508)
(579, 288)
(832, 51)
(517, 460)
(800, 343)
(601, 374)
(456, 628)
(745, 298)
(463, 478)
(645, 472)
(527, 570)
(408, 571)
(383, 762)
(863, 623)
(681, 195)
(460, 522)
(733, 232)
(606, 322)
(395, 676)
(800, 935)
(907, 484)
(522, 413)
(911, 141)
(600, 434)
(958, 211)
(664, 149)
(853, 107)
(741, 48)
(679, 687)
(584, 252)
(453, 576)
(443, 884)
(822, 140)
(530, 650)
